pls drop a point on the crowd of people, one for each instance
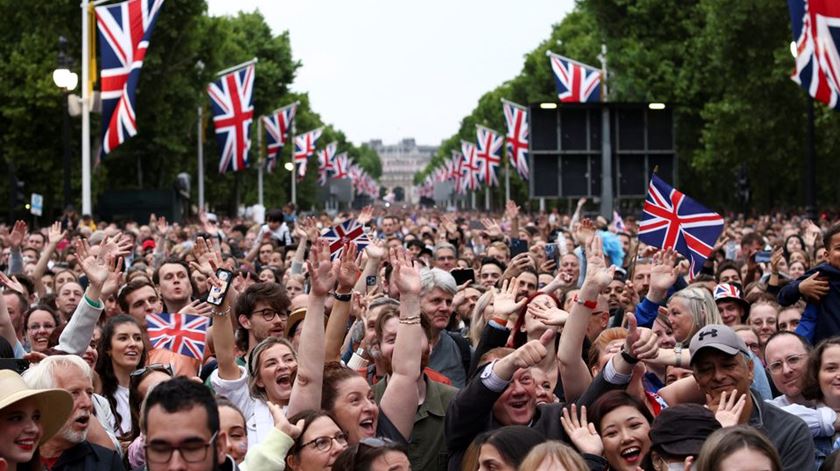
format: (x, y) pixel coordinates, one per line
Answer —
(451, 341)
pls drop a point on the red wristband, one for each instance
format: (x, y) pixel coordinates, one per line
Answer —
(591, 304)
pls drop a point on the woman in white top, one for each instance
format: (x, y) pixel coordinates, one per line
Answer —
(121, 351)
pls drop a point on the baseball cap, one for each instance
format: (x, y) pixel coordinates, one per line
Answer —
(719, 337)
(731, 292)
(681, 430)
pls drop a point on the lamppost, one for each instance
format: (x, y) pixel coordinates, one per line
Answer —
(66, 81)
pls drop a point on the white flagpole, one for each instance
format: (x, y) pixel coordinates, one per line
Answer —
(237, 67)
(87, 207)
(292, 157)
(200, 134)
(260, 163)
(606, 150)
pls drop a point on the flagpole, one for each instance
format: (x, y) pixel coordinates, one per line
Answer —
(606, 149)
(87, 207)
(507, 178)
(292, 158)
(487, 198)
(260, 164)
(200, 134)
(237, 67)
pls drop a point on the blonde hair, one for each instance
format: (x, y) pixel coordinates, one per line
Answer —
(700, 303)
(559, 452)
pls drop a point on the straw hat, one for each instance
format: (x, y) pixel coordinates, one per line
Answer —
(56, 404)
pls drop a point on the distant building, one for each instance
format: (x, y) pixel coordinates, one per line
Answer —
(400, 163)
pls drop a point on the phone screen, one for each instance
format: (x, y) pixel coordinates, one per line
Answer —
(517, 246)
(217, 293)
(463, 276)
(551, 252)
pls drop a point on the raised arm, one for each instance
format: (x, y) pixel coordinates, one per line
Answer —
(305, 231)
(7, 329)
(14, 241)
(573, 372)
(55, 236)
(512, 213)
(374, 251)
(399, 402)
(306, 392)
(348, 273)
(222, 330)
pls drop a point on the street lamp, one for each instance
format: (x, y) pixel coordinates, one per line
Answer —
(67, 82)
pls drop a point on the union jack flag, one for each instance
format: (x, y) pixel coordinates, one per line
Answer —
(325, 162)
(346, 232)
(304, 148)
(457, 170)
(672, 220)
(124, 32)
(233, 113)
(341, 165)
(576, 82)
(727, 290)
(277, 127)
(470, 167)
(816, 31)
(516, 140)
(180, 333)
(489, 153)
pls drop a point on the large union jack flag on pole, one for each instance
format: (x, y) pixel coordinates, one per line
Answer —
(457, 171)
(304, 148)
(326, 162)
(277, 126)
(516, 140)
(124, 32)
(672, 220)
(180, 333)
(816, 32)
(341, 166)
(346, 232)
(576, 82)
(233, 111)
(488, 151)
(470, 167)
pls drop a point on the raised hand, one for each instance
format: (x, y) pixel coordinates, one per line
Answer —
(322, 271)
(282, 424)
(663, 273)
(585, 232)
(581, 432)
(511, 210)
(641, 343)
(117, 246)
(18, 235)
(598, 276)
(55, 234)
(96, 268)
(207, 260)
(375, 249)
(307, 228)
(729, 408)
(11, 283)
(406, 275)
(775, 259)
(348, 268)
(504, 303)
(198, 308)
(548, 315)
(492, 227)
(115, 279)
(533, 352)
(365, 215)
(449, 224)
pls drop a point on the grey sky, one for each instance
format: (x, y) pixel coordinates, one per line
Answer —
(393, 69)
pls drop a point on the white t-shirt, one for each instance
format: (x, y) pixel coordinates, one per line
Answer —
(121, 396)
(258, 419)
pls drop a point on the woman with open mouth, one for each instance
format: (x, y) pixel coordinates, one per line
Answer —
(40, 322)
(623, 425)
(121, 351)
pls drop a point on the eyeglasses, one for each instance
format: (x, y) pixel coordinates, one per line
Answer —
(325, 443)
(163, 368)
(270, 314)
(191, 452)
(792, 361)
(34, 327)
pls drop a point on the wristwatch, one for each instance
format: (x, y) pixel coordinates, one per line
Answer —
(628, 357)
(343, 297)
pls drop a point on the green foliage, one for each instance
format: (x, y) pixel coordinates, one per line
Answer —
(172, 87)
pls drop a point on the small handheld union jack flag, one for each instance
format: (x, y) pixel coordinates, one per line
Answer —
(488, 151)
(348, 231)
(180, 333)
(326, 162)
(304, 148)
(672, 220)
(233, 113)
(516, 140)
(277, 126)
(125, 29)
(470, 167)
(576, 82)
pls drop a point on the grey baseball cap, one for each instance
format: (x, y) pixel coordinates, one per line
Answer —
(719, 337)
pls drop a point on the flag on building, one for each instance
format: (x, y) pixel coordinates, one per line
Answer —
(231, 98)
(180, 333)
(125, 29)
(470, 167)
(576, 82)
(326, 158)
(340, 165)
(349, 231)
(672, 220)
(304, 148)
(816, 33)
(488, 152)
(516, 140)
(277, 126)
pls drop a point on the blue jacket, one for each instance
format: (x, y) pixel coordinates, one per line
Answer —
(821, 320)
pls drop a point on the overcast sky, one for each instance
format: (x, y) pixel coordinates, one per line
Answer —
(393, 69)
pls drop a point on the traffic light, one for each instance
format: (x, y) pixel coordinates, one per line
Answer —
(18, 193)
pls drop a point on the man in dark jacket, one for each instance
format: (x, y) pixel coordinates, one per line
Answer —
(181, 423)
(70, 449)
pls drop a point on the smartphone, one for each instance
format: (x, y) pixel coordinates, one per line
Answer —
(370, 280)
(551, 252)
(517, 246)
(763, 256)
(476, 224)
(463, 275)
(217, 293)
(18, 365)
(562, 245)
